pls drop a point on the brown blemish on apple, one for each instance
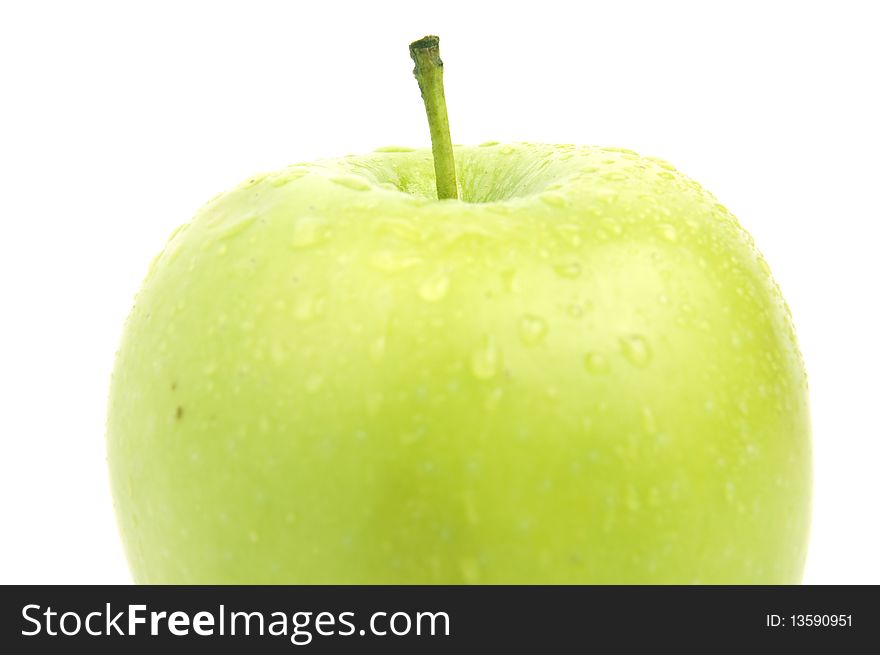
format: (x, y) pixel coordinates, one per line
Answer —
(179, 414)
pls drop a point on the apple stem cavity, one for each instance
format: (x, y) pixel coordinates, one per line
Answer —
(429, 73)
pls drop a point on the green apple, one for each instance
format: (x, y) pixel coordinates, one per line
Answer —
(581, 371)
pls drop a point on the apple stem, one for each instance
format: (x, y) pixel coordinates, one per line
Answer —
(429, 73)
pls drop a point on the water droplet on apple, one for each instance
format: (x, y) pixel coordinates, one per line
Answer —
(393, 149)
(314, 383)
(409, 437)
(568, 269)
(233, 227)
(596, 363)
(617, 149)
(532, 329)
(493, 399)
(278, 354)
(649, 423)
(506, 150)
(286, 176)
(730, 492)
(389, 261)
(668, 232)
(351, 182)
(662, 163)
(308, 307)
(571, 234)
(377, 348)
(553, 199)
(636, 349)
(484, 362)
(309, 231)
(631, 500)
(487, 144)
(470, 570)
(615, 176)
(400, 228)
(254, 180)
(575, 310)
(374, 402)
(510, 280)
(434, 288)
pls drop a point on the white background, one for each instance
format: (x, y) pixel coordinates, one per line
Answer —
(117, 121)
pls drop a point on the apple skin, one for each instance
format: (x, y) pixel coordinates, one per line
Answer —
(583, 374)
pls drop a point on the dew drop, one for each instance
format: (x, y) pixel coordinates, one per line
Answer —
(392, 262)
(253, 181)
(308, 307)
(314, 382)
(615, 176)
(668, 232)
(287, 176)
(568, 269)
(662, 163)
(374, 402)
(470, 570)
(399, 228)
(377, 349)
(351, 182)
(532, 329)
(309, 231)
(486, 144)
(510, 280)
(493, 399)
(596, 363)
(278, 354)
(571, 234)
(236, 227)
(649, 423)
(484, 361)
(632, 501)
(506, 150)
(410, 437)
(636, 349)
(434, 288)
(730, 492)
(622, 151)
(393, 149)
(553, 199)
